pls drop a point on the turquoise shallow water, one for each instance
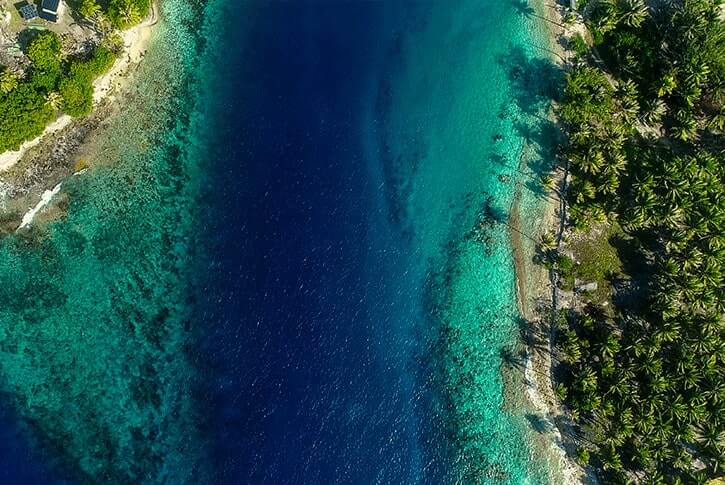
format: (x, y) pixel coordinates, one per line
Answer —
(459, 124)
(290, 263)
(95, 316)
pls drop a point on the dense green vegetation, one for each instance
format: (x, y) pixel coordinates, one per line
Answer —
(644, 108)
(76, 90)
(53, 84)
(23, 115)
(119, 14)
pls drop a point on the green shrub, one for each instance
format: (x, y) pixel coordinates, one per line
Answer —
(582, 456)
(23, 116)
(44, 52)
(89, 9)
(76, 88)
(77, 96)
(8, 81)
(24, 106)
(579, 45)
(565, 264)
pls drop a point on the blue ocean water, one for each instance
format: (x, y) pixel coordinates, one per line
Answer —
(350, 162)
(295, 257)
(318, 384)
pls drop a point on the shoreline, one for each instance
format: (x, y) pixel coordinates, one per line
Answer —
(535, 294)
(27, 173)
(135, 41)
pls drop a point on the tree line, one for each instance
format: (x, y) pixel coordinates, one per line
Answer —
(644, 109)
(118, 14)
(52, 85)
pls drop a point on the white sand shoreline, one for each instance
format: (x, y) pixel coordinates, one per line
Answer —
(135, 40)
(534, 284)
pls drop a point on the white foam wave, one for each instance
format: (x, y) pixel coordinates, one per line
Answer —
(44, 200)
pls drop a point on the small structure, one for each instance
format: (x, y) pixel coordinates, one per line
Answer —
(49, 10)
(27, 10)
(586, 287)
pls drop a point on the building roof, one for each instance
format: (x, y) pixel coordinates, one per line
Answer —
(51, 17)
(28, 11)
(50, 6)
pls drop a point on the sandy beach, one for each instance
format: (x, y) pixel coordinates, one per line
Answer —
(135, 40)
(536, 297)
(28, 174)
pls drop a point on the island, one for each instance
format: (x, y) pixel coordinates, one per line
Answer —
(637, 254)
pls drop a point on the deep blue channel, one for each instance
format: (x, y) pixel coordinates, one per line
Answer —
(309, 305)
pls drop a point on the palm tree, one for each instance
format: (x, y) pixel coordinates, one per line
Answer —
(584, 190)
(581, 135)
(690, 378)
(130, 14)
(628, 98)
(610, 458)
(685, 127)
(609, 185)
(632, 12)
(586, 380)
(711, 322)
(668, 331)
(621, 385)
(548, 242)
(698, 74)
(607, 369)
(643, 456)
(547, 181)
(696, 410)
(659, 384)
(653, 112)
(676, 409)
(54, 100)
(692, 93)
(652, 366)
(592, 161)
(711, 435)
(716, 241)
(667, 84)
(90, 9)
(676, 189)
(606, 15)
(8, 81)
(717, 120)
(637, 217)
(682, 460)
(610, 346)
(596, 214)
(644, 421)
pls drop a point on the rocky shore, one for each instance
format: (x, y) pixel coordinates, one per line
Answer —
(42, 163)
(538, 295)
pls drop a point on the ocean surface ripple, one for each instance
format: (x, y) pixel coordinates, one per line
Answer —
(291, 261)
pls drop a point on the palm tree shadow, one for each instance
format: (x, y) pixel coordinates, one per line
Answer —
(535, 83)
(539, 424)
(513, 359)
(522, 7)
(533, 335)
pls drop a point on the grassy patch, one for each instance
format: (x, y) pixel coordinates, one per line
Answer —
(597, 260)
(566, 266)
